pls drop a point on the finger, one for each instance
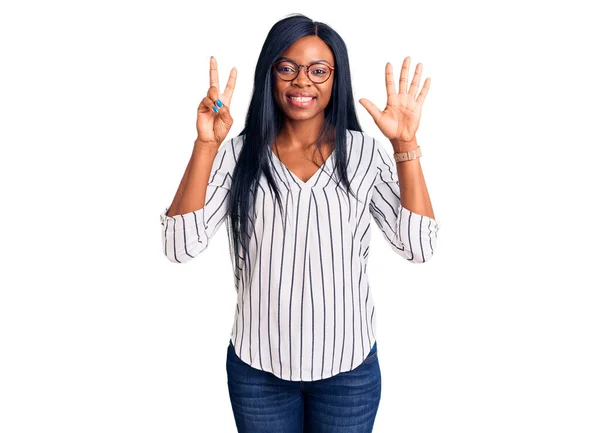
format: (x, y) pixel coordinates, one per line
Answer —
(206, 104)
(213, 95)
(416, 79)
(424, 90)
(228, 92)
(404, 75)
(214, 73)
(390, 88)
(371, 108)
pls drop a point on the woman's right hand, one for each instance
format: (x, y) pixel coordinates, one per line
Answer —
(213, 127)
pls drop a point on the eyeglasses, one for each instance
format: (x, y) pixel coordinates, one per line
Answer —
(317, 72)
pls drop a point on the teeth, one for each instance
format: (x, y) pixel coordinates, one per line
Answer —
(303, 99)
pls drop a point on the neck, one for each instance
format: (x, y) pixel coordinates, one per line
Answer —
(300, 134)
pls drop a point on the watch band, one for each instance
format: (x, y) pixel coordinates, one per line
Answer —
(407, 156)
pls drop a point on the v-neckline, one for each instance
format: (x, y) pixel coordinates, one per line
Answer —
(315, 175)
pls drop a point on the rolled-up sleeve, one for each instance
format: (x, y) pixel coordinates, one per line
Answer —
(410, 234)
(186, 235)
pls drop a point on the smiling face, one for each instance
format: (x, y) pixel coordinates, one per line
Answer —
(305, 51)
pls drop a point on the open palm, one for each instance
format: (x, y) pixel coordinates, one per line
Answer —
(400, 119)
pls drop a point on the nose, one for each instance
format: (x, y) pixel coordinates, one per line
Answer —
(303, 71)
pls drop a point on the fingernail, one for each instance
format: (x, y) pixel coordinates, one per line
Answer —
(219, 103)
(216, 109)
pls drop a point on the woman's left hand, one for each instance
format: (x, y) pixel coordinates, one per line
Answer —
(400, 118)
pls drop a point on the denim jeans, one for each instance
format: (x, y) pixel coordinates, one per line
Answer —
(264, 403)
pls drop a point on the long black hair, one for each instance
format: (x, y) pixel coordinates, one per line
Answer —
(264, 121)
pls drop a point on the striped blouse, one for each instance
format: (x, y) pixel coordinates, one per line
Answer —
(304, 307)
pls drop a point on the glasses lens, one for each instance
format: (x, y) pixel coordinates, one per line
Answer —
(286, 70)
(319, 72)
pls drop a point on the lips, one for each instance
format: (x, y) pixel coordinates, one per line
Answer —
(301, 102)
(300, 95)
(305, 102)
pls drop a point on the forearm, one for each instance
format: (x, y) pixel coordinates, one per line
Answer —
(413, 190)
(191, 194)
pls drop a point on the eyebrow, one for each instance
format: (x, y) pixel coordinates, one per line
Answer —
(315, 61)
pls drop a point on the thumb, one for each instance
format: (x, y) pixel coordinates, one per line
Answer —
(371, 108)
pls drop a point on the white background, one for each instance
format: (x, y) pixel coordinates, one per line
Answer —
(99, 332)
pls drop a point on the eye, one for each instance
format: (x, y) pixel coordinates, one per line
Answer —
(286, 68)
(319, 69)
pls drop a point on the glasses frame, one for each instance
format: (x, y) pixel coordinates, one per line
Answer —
(285, 59)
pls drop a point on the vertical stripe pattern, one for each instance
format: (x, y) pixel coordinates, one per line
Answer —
(305, 310)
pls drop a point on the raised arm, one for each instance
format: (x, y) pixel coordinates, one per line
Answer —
(408, 226)
(200, 203)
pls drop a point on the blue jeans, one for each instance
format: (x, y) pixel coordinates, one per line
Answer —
(264, 403)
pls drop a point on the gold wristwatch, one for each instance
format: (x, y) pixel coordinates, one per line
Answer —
(407, 156)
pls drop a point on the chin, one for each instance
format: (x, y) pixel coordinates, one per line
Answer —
(301, 116)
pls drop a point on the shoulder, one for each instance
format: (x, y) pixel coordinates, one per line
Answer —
(363, 139)
(231, 148)
(355, 135)
(234, 143)
(369, 146)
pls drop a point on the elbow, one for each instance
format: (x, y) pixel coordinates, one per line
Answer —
(419, 249)
(182, 238)
(181, 247)
(416, 256)
(184, 253)
(421, 258)
(417, 239)
(181, 255)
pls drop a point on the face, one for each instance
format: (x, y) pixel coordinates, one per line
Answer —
(305, 51)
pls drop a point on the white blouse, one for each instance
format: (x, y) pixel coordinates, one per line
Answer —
(304, 307)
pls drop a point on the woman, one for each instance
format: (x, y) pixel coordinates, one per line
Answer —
(306, 179)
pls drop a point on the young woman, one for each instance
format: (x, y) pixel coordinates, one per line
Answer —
(298, 187)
